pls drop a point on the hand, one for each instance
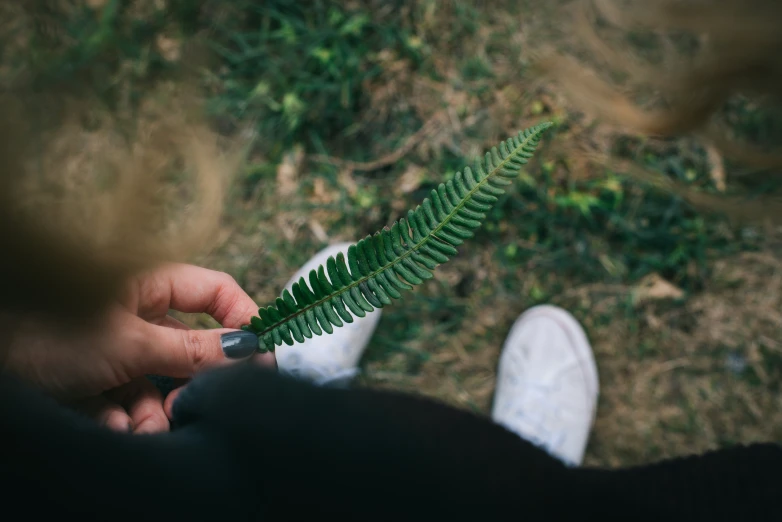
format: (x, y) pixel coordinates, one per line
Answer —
(102, 370)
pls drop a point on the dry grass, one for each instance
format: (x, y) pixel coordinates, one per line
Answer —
(689, 378)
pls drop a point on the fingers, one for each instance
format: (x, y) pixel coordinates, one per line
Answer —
(267, 359)
(106, 413)
(168, 347)
(136, 407)
(192, 289)
(182, 353)
(168, 405)
(143, 402)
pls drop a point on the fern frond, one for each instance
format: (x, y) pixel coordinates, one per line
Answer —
(380, 267)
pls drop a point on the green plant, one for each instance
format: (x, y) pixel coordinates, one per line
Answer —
(381, 266)
(300, 70)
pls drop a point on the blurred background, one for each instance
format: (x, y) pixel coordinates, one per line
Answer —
(348, 113)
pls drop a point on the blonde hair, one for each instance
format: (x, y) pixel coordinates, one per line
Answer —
(735, 49)
(89, 194)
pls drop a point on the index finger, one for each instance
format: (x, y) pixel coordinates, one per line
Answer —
(192, 289)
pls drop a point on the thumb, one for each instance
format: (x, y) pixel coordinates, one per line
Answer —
(181, 353)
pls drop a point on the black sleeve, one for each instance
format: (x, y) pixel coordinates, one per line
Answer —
(59, 465)
(251, 445)
(367, 451)
(738, 483)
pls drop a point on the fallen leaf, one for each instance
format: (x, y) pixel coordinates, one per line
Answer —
(410, 180)
(288, 225)
(320, 193)
(654, 288)
(288, 171)
(318, 231)
(347, 181)
(169, 48)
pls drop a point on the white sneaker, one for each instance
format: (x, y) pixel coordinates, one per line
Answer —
(547, 383)
(328, 359)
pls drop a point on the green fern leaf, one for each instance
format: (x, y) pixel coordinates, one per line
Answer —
(380, 267)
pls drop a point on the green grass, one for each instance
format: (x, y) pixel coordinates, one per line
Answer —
(297, 69)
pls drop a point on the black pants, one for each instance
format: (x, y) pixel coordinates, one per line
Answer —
(251, 445)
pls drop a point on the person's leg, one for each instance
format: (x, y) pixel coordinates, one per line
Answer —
(328, 359)
(313, 451)
(547, 384)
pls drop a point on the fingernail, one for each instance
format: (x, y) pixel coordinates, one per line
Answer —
(238, 345)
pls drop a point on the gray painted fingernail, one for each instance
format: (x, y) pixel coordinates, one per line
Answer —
(238, 345)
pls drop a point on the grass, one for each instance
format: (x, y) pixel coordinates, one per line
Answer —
(681, 371)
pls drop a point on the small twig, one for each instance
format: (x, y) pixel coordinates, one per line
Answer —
(429, 128)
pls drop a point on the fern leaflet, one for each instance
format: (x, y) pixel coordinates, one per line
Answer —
(380, 267)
